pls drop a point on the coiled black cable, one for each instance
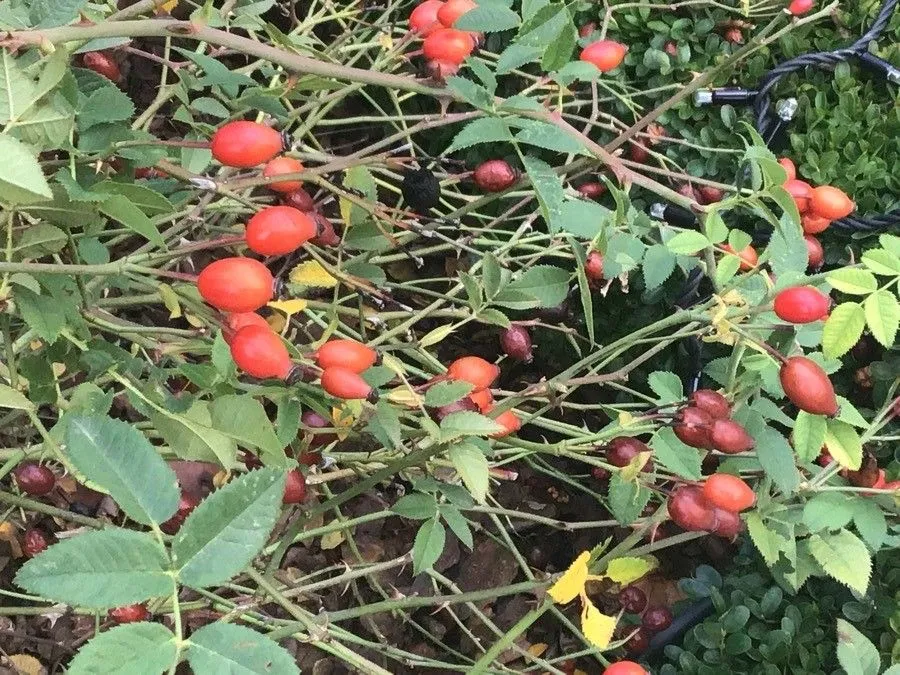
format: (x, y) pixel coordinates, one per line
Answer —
(767, 122)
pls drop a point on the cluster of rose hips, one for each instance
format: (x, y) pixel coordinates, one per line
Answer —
(444, 47)
(653, 619)
(481, 374)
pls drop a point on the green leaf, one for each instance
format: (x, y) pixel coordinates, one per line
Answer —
(226, 531)
(844, 444)
(545, 284)
(445, 393)
(517, 55)
(687, 242)
(483, 130)
(99, 570)
(21, 178)
(843, 329)
(548, 186)
(244, 419)
(10, 398)
(787, 204)
(827, 510)
(583, 218)
(777, 459)
(659, 263)
(130, 649)
(50, 13)
(768, 542)
(787, 250)
(883, 316)
(473, 94)
(149, 201)
(385, 425)
(809, 435)
(559, 50)
(548, 136)
(844, 557)
(852, 281)
(856, 653)
(677, 457)
(17, 90)
(458, 524)
(417, 506)
(881, 261)
(429, 545)
(849, 414)
(870, 522)
(585, 292)
(118, 457)
(227, 648)
(488, 17)
(105, 105)
(472, 466)
(666, 386)
(217, 73)
(120, 209)
(627, 499)
(191, 435)
(467, 423)
(42, 313)
(221, 357)
(39, 240)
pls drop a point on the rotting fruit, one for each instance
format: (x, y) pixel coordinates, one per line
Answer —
(474, 370)
(516, 343)
(260, 353)
(313, 420)
(494, 175)
(279, 230)
(346, 384)
(348, 354)
(279, 167)
(808, 387)
(34, 479)
(606, 55)
(712, 402)
(129, 613)
(294, 487)
(692, 426)
(730, 437)
(244, 144)
(298, 199)
(639, 642)
(801, 304)
(657, 618)
(236, 284)
(728, 492)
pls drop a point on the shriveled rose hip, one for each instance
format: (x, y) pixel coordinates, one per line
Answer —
(516, 342)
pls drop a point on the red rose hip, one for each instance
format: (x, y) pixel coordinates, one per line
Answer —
(606, 55)
(632, 599)
(689, 509)
(34, 479)
(474, 370)
(294, 487)
(424, 17)
(346, 384)
(712, 402)
(494, 175)
(280, 166)
(260, 353)
(348, 354)
(129, 613)
(693, 427)
(656, 619)
(236, 284)
(516, 342)
(808, 387)
(279, 230)
(730, 437)
(245, 144)
(801, 304)
(728, 492)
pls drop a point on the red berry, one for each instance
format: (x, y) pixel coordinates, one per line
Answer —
(712, 402)
(280, 166)
(730, 437)
(298, 199)
(348, 354)
(748, 256)
(186, 504)
(237, 320)
(448, 45)
(656, 619)
(593, 266)
(638, 153)
(346, 384)
(294, 487)
(689, 509)
(830, 202)
(728, 492)
(474, 370)
(815, 251)
(129, 613)
(606, 55)
(632, 599)
(728, 523)
(622, 449)
(801, 191)
(509, 421)
(592, 190)
(102, 64)
(313, 420)
(625, 668)
(34, 479)
(260, 353)
(484, 399)
(789, 167)
(813, 224)
(424, 17)
(34, 541)
(245, 144)
(516, 342)
(808, 387)
(452, 10)
(801, 304)
(279, 230)
(236, 284)
(639, 642)
(693, 427)
(710, 195)
(799, 7)
(494, 175)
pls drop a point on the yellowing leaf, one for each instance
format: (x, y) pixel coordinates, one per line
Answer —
(626, 419)
(8, 534)
(345, 417)
(537, 648)
(331, 540)
(625, 570)
(596, 626)
(635, 466)
(170, 300)
(195, 320)
(405, 396)
(169, 6)
(571, 584)
(311, 273)
(26, 664)
(385, 41)
(436, 335)
(289, 307)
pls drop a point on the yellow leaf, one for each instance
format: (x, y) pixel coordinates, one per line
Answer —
(169, 6)
(626, 419)
(331, 540)
(8, 534)
(436, 335)
(635, 466)
(596, 626)
(170, 300)
(346, 208)
(537, 648)
(386, 41)
(571, 584)
(404, 396)
(625, 570)
(345, 417)
(289, 307)
(26, 664)
(311, 273)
